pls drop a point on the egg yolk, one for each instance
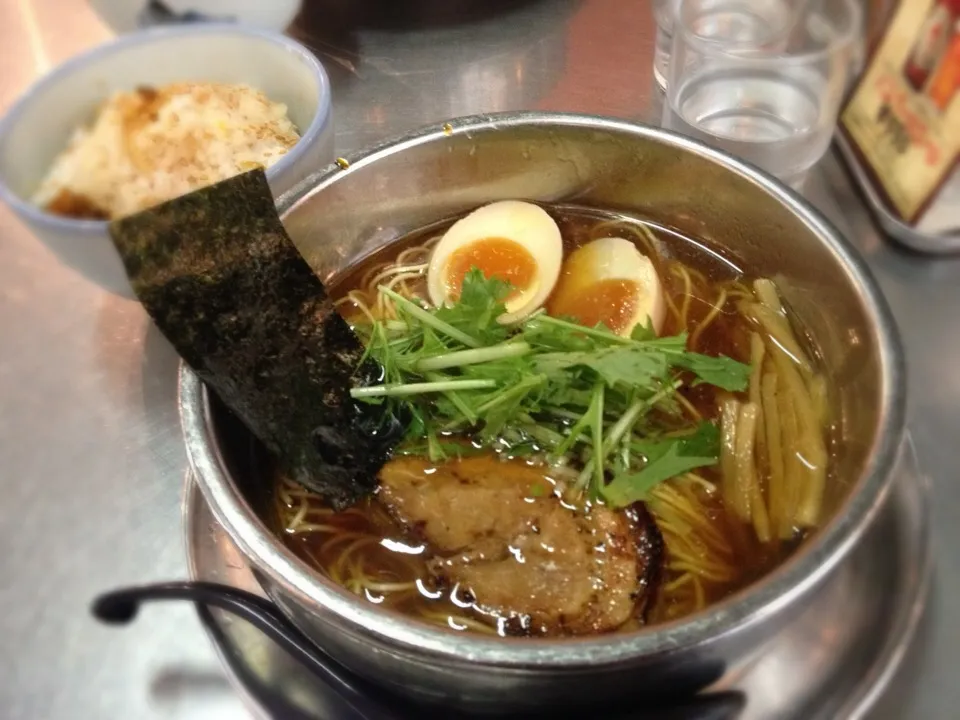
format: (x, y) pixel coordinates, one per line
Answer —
(495, 258)
(612, 302)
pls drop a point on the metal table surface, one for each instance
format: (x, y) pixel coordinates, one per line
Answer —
(91, 461)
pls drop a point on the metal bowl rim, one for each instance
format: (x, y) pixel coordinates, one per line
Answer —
(774, 592)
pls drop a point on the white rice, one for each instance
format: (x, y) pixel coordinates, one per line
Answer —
(148, 146)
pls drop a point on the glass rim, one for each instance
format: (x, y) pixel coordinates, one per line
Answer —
(715, 48)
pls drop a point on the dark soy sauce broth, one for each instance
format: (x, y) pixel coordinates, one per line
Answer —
(365, 550)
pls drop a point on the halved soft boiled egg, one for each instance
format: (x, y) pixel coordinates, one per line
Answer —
(512, 240)
(609, 281)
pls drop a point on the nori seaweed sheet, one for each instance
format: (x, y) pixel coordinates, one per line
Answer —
(221, 279)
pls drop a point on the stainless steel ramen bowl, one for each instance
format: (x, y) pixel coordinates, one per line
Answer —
(340, 215)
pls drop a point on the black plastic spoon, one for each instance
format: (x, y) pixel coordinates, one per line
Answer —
(357, 699)
(120, 607)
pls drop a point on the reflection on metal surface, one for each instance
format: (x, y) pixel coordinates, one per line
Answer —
(831, 662)
(155, 12)
(124, 16)
(933, 243)
(32, 31)
(469, 57)
(77, 428)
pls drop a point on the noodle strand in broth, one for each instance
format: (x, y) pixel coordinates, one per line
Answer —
(721, 526)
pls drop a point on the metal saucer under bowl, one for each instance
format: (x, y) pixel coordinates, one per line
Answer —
(829, 663)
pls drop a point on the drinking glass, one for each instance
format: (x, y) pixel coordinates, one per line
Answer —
(663, 12)
(765, 86)
(746, 21)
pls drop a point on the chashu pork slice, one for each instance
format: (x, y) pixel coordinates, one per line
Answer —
(498, 530)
